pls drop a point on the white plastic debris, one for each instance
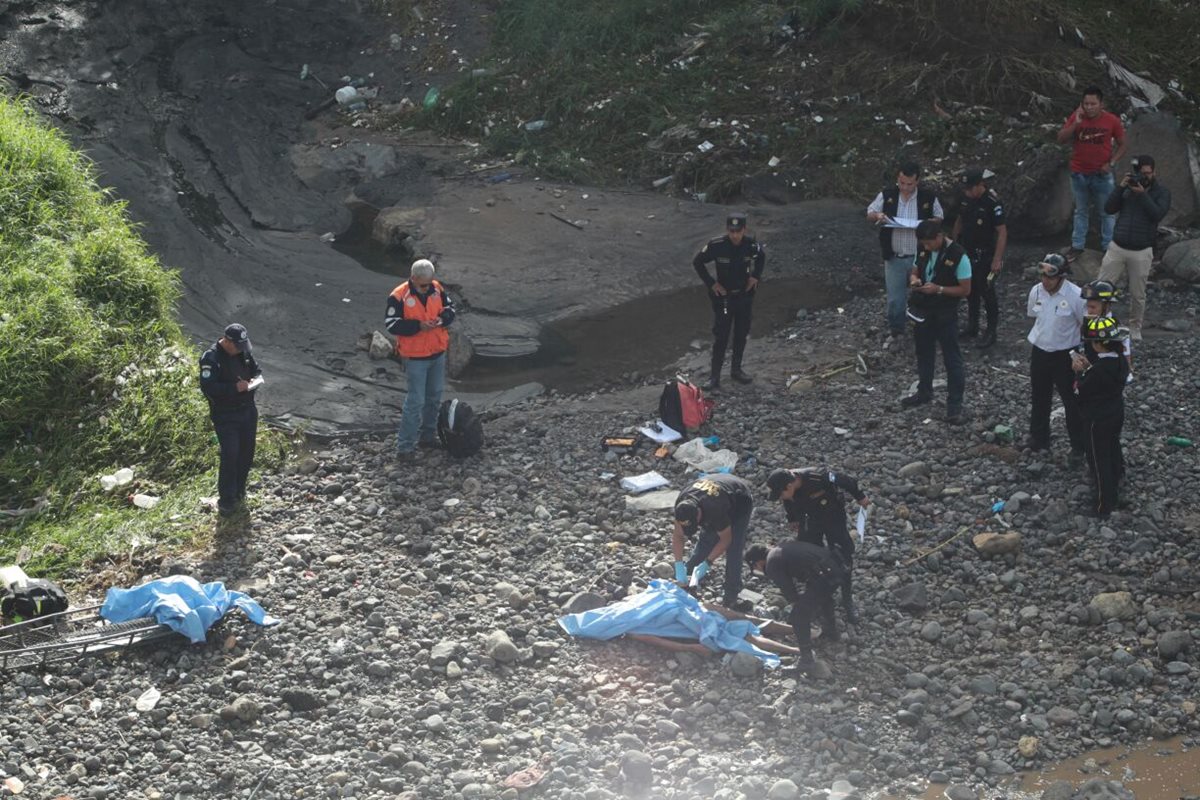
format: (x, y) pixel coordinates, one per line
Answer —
(346, 95)
(705, 146)
(124, 475)
(696, 454)
(774, 162)
(652, 501)
(148, 700)
(146, 501)
(644, 482)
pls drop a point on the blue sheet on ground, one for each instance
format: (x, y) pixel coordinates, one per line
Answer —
(182, 604)
(665, 609)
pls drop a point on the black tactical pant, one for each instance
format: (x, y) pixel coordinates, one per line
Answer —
(731, 312)
(236, 429)
(982, 290)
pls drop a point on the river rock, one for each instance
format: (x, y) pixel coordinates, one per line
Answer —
(914, 469)
(744, 665)
(399, 229)
(931, 631)
(1114, 605)
(501, 648)
(997, 544)
(584, 601)
(912, 597)
(956, 791)
(636, 767)
(783, 789)
(1172, 643)
(381, 347)
(1027, 746)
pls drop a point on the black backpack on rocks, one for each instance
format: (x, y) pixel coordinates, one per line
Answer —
(459, 429)
(32, 598)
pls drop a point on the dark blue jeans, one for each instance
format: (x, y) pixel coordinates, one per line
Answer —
(940, 328)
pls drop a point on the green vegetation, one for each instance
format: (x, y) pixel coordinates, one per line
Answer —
(94, 372)
(631, 89)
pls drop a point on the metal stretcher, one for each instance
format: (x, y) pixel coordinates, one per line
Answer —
(71, 636)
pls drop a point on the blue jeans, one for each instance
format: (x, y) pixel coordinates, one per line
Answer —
(1091, 190)
(707, 540)
(426, 379)
(895, 273)
(940, 328)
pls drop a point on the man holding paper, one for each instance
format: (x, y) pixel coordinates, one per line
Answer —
(229, 377)
(896, 211)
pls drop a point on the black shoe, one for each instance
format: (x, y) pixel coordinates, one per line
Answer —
(956, 417)
(429, 444)
(914, 400)
(989, 339)
(825, 637)
(969, 332)
(741, 377)
(1074, 253)
(1075, 459)
(226, 510)
(740, 606)
(1035, 445)
(713, 385)
(851, 615)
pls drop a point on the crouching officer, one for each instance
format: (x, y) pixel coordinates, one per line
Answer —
(817, 513)
(719, 507)
(226, 372)
(982, 231)
(739, 261)
(821, 573)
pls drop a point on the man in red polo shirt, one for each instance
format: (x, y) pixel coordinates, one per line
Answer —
(1097, 143)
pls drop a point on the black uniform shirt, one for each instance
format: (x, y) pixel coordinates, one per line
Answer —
(1101, 387)
(735, 263)
(795, 561)
(719, 498)
(980, 218)
(220, 373)
(818, 505)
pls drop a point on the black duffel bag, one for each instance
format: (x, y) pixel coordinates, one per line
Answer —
(32, 598)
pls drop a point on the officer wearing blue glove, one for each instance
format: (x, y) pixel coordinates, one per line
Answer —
(718, 507)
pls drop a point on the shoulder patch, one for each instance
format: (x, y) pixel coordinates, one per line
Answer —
(410, 302)
(205, 372)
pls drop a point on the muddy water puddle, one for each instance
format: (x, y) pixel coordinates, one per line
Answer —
(1156, 770)
(642, 335)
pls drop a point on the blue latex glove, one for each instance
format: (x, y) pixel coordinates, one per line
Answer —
(699, 572)
(680, 572)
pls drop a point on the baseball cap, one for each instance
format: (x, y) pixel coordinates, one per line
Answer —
(778, 481)
(972, 176)
(236, 333)
(735, 221)
(687, 512)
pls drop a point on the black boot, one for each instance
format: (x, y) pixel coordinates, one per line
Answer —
(989, 339)
(971, 331)
(740, 376)
(714, 382)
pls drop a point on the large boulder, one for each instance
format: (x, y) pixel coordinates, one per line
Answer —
(1182, 261)
(1114, 605)
(399, 229)
(1037, 197)
(461, 351)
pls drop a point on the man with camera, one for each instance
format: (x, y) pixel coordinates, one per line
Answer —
(941, 275)
(1140, 203)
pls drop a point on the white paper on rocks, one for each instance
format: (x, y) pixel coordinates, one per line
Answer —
(860, 524)
(661, 432)
(644, 482)
(695, 454)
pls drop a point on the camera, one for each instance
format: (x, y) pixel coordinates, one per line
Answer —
(1135, 175)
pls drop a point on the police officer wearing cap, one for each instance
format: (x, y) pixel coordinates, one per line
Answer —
(227, 378)
(718, 507)
(981, 230)
(739, 261)
(1058, 310)
(812, 499)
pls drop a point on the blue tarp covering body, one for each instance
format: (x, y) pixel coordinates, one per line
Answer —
(665, 609)
(182, 604)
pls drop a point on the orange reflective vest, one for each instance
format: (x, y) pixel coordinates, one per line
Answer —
(425, 343)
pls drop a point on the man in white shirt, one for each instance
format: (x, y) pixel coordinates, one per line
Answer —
(1058, 309)
(896, 211)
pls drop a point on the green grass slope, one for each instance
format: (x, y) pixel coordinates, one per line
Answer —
(94, 372)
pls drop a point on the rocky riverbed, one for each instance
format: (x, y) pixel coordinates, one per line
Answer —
(419, 655)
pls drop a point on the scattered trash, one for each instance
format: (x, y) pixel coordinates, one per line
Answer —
(95, 705)
(997, 506)
(663, 451)
(530, 776)
(535, 125)
(304, 73)
(346, 95)
(572, 223)
(1004, 434)
(499, 177)
(431, 98)
(121, 477)
(145, 501)
(774, 162)
(661, 182)
(712, 441)
(328, 237)
(660, 432)
(705, 146)
(482, 72)
(1179, 441)
(696, 455)
(841, 431)
(659, 500)
(451, 502)
(623, 444)
(149, 699)
(644, 482)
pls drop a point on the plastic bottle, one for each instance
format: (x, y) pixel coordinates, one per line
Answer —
(431, 98)
(1179, 441)
(346, 95)
(711, 441)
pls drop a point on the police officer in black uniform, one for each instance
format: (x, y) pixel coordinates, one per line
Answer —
(815, 509)
(719, 508)
(821, 573)
(226, 371)
(981, 230)
(739, 261)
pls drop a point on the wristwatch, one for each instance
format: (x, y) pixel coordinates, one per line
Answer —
(941, 288)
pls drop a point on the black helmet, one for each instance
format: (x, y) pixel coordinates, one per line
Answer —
(1099, 290)
(1053, 265)
(1101, 329)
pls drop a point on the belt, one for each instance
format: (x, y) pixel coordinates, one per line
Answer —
(905, 255)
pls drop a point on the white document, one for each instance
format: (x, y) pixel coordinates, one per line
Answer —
(644, 482)
(254, 384)
(860, 524)
(652, 501)
(662, 434)
(895, 222)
